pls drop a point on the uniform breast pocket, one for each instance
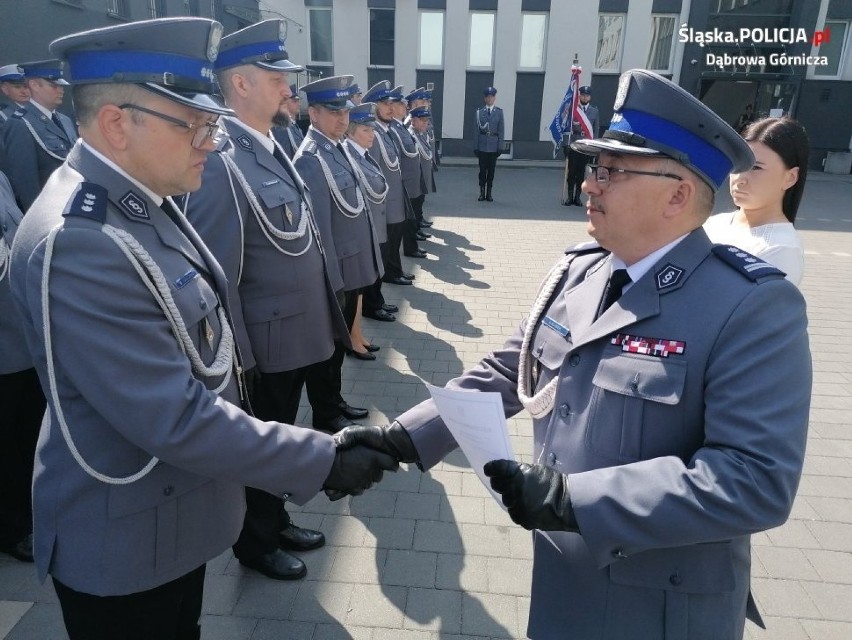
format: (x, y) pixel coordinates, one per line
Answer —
(55, 144)
(343, 179)
(635, 411)
(280, 195)
(197, 303)
(548, 351)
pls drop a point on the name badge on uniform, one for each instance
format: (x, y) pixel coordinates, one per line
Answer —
(558, 328)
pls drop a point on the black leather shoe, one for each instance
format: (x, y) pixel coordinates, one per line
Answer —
(22, 550)
(425, 223)
(423, 236)
(390, 308)
(577, 202)
(278, 565)
(489, 198)
(416, 254)
(333, 426)
(408, 276)
(353, 413)
(299, 539)
(379, 314)
(360, 356)
(372, 348)
(396, 280)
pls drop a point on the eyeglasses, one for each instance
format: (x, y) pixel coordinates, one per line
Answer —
(203, 132)
(603, 174)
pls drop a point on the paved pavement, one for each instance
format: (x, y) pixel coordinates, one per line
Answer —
(430, 556)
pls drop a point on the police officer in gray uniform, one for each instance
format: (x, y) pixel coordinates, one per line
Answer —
(488, 142)
(253, 213)
(669, 423)
(143, 459)
(409, 163)
(22, 402)
(346, 230)
(419, 130)
(287, 131)
(577, 161)
(13, 95)
(40, 136)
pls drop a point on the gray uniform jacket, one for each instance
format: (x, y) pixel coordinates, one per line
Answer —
(289, 137)
(427, 155)
(129, 392)
(376, 179)
(285, 312)
(409, 164)
(394, 202)
(672, 461)
(576, 132)
(351, 239)
(34, 152)
(14, 355)
(489, 130)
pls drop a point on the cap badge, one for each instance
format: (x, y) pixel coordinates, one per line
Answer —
(213, 43)
(135, 205)
(668, 276)
(621, 93)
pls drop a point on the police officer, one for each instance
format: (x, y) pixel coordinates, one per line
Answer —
(287, 131)
(419, 129)
(385, 154)
(669, 424)
(13, 95)
(22, 402)
(577, 161)
(346, 230)
(145, 453)
(409, 164)
(488, 143)
(39, 135)
(253, 213)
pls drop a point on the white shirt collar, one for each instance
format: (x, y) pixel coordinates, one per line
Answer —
(263, 139)
(334, 143)
(158, 200)
(639, 269)
(383, 125)
(42, 108)
(357, 147)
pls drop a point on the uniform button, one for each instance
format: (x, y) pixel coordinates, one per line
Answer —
(574, 360)
(551, 458)
(675, 579)
(169, 490)
(539, 350)
(203, 304)
(275, 313)
(619, 553)
(564, 410)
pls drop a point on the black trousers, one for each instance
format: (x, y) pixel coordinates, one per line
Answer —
(412, 225)
(390, 250)
(275, 397)
(22, 404)
(576, 172)
(373, 298)
(324, 380)
(487, 164)
(168, 612)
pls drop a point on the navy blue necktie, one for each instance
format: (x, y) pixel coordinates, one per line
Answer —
(617, 281)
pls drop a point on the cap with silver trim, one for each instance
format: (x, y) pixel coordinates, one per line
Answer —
(260, 44)
(363, 113)
(45, 69)
(332, 92)
(12, 73)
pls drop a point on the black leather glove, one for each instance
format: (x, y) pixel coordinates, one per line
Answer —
(393, 439)
(251, 377)
(537, 496)
(356, 468)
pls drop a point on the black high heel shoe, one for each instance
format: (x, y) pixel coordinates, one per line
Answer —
(360, 356)
(372, 347)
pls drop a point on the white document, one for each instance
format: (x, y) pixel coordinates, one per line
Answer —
(478, 423)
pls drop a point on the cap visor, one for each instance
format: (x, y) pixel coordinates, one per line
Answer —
(337, 106)
(201, 101)
(61, 82)
(595, 146)
(280, 65)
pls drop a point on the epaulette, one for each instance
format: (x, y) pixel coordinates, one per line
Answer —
(309, 146)
(585, 247)
(20, 112)
(752, 267)
(90, 201)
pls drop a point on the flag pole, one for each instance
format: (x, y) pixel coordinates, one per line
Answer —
(565, 194)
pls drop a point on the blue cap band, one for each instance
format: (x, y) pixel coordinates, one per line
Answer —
(375, 96)
(49, 74)
(361, 116)
(704, 156)
(328, 95)
(252, 52)
(118, 66)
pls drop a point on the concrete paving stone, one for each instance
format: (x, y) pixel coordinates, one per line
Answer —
(390, 533)
(373, 503)
(407, 568)
(227, 627)
(262, 597)
(401, 634)
(221, 593)
(832, 600)
(462, 509)
(783, 598)
(520, 544)
(486, 614)
(18, 578)
(217, 565)
(832, 566)
(441, 481)
(443, 537)
(776, 629)
(828, 466)
(793, 533)
(832, 509)
(757, 568)
(803, 510)
(322, 602)
(377, 606)
(358, 565)
(472, 486)
(462, 572)
(509, 576)
(343, 531)
(418, 506)
(43, 621)
(433, 609)
(278, 629)
(405, 480)
(322, 505)
(784, 562)
(823, 486)
(337, 632)
(10, 614)
(827, 629)
(834, 536)
(486, 540)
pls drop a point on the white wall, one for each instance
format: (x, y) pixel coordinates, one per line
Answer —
(456, 26)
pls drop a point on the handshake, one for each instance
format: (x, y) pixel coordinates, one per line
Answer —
(363, 455)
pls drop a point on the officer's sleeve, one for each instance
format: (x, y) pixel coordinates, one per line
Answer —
(114, 347)
(743, 479)
(21, 162)
(218, 213)
(500, 127)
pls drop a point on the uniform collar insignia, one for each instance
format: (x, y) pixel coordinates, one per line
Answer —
(326, 146)
(245, 142)
(90, 201)
(668, 276)
(135, 205)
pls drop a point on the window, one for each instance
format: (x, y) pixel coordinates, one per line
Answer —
(481, 40)
(834, 48)
(662, 39)
(157, 8)
(192, 7)
(431, 39)
(610, 37)
(320, 33)
(533, 38)
(382, 37)
(118, 9)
